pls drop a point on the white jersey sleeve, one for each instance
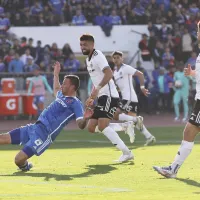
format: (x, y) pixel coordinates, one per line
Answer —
(101, 60)
(129, 70)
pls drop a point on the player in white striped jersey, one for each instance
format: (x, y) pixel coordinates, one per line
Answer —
(192, 127)
(128, 105)
(106, 93)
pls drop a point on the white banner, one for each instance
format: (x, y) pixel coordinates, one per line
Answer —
(122, 38)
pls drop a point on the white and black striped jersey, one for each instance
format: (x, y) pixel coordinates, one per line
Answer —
(96, 63)
(124, 81)
(197, 75)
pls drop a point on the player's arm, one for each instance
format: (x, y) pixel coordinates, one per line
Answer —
(81, 117)
(134, 72)
(56, 82)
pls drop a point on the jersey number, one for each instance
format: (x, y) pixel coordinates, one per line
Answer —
(38, 142)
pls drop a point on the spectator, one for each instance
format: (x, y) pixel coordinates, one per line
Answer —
(55, 52)
(133, 18)
(47, 15)
(39, 52)
(153, 28)
(66, 51)
(167, 58)
(91, 13)
(123, 16)
(57, 7)
(100, 19)
(143, 45)
(38, 84)
(79, 19)
(152, 42)
(164, 31)
(179, 17)
(24, 58)
(163, 87)
(2, 65)
(17, 20)
(4, 23)
(139, 11)
(192, 60)
(170, 17)
(193, 9)
(30, 66)
(30, 47)
(9, 57)
(115, 19)
(71, 64)
(36, 9)
(16, 65)
(169, 42)
(186, 45)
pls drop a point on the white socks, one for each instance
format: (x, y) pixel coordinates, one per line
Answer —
(184, 151)
(115, 126)
(115, 139)
(144, 131)
(124, 117)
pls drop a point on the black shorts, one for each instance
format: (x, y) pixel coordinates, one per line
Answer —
(105, 108)
(128, 106)
(195, 116)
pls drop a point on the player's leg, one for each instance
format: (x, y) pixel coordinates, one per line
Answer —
(103, 125)
(176, 101)
(189, 134)
(149, 137)
(20, 136)
(185, 107)
(93, 126)
(21, 159)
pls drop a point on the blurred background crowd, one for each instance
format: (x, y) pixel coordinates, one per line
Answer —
(170, 46)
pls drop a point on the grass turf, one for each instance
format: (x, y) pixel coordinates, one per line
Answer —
(86, 170)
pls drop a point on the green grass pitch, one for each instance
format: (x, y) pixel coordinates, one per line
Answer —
(85, 170)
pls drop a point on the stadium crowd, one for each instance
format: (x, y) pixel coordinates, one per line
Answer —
(100, 12)
(170, 46)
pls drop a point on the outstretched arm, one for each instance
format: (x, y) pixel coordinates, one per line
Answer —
(56, 82)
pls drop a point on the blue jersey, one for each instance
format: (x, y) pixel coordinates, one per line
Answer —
(4, 24)
(61, 112)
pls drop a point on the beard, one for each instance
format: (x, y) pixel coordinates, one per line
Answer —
(86, 52)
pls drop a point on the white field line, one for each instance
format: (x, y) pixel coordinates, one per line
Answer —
(83, 187)
(107, 142)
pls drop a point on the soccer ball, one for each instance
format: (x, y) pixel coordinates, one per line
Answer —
(178, 84)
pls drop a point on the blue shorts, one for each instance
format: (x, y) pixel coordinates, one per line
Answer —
(32, 136)
(39, 99)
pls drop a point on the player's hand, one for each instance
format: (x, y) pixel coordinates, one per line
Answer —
(88, 112)
(187, 70)
(57, 68)
(89, 102)
(145, 92)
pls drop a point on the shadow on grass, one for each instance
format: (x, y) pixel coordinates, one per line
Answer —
(189, 182)
(92, 170)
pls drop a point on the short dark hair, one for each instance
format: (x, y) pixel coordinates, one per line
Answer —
(74, 80)
(87, 37)
(119, 53)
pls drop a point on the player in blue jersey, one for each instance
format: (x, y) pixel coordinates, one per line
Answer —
(36, 138)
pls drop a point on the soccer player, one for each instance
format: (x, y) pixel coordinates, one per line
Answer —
(37, 137)
(105, 92)
(192, 127)
(128, 105)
